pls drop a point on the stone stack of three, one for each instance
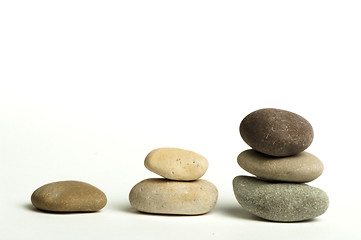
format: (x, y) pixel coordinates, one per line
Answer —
(281, 165)
(180, 192)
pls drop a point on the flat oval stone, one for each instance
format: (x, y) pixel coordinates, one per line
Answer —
(301, 168)
(281, 202)
(68, 196)
(276, 132)
(176, 164)
(162, 196)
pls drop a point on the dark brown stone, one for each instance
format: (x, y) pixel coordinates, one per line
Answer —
(276, 132)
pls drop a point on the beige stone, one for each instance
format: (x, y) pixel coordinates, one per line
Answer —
(164, 196)
(176, 164)
(68, 196)
(301, 168)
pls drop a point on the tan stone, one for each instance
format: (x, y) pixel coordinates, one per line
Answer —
(68, 196)
(164, 196)
(176, 164)
(303, 167)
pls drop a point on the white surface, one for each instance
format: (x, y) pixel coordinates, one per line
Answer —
(88, 88)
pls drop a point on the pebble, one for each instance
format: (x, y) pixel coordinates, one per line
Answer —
(176, 164)
(276, 132)
(68, 196)
(282, 202)
(162, 196)
(301, 168)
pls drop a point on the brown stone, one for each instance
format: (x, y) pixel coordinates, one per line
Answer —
(68, 196)
(301, 168)
(276, 132)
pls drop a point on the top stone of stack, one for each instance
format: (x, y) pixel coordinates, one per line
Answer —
(276, 132)
(176, 164)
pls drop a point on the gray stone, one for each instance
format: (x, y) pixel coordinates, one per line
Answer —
(176, 164)
(282, 202)
(276, 132)
(68, 196)
(162, 196)
(301, 168)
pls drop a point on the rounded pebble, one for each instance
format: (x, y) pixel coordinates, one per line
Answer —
(281, 202)
(301, 168)
(68, 196)
(276, 132)
(176, 164)
(164, 196)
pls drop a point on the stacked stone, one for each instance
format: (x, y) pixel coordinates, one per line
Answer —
(278, 139)
(180, 192)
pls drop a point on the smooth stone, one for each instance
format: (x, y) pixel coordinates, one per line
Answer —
(301, 168)
(281, 202)
(68, 196)
(176, 164)
(162, 196)
(276, 132)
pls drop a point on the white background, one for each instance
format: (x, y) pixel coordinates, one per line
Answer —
(88, 88)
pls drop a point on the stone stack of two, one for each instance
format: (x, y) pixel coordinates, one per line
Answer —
(180, 192)
(278, 139)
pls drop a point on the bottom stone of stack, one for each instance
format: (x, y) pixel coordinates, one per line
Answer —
(281, 202)
(162, 196)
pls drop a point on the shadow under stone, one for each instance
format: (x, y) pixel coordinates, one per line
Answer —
(30, 207)
(239, 212)
(128, 209)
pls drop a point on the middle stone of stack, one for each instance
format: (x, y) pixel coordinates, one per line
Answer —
(301, 168)
(180, 191)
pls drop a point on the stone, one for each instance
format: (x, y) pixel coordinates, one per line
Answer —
(162, 196)
(68, 196)
(281, 202)
(301, 168)
(176, 164)
(276, 132)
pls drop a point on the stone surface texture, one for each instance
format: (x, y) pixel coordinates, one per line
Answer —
(176, 164)
(162, 196)
(276, 132)
(301, 168)
(282, 202)
(68, 196)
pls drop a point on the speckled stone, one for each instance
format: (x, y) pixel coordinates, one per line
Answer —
(68, 196)
(164, 196)
(176, 164)
(282, 202)
(301, 168)
(276, 132)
